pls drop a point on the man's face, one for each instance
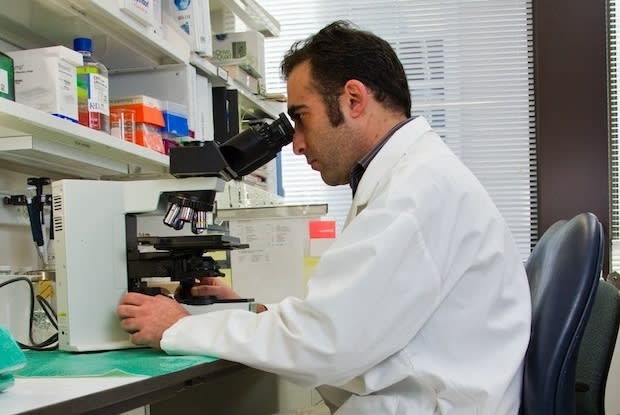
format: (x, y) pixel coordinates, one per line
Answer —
(328, 149)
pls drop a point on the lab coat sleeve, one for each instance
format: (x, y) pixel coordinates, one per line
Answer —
(371, 292)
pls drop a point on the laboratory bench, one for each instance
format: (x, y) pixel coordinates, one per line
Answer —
(224, 386)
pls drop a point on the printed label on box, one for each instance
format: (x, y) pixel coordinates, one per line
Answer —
(143, 10)
(239, 49)
(4, 82)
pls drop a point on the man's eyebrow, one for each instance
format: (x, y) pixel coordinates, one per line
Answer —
(292, 110)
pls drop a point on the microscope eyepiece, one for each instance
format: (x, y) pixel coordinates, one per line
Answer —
(236, 157)
(256, 146)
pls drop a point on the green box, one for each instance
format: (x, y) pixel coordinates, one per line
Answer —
(7, 77)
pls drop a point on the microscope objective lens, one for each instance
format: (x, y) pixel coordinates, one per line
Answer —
(171, 215)
(186, 214)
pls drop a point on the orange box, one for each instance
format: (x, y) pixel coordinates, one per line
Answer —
(147, 109)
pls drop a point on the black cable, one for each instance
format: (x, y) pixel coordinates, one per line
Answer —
(47, 344)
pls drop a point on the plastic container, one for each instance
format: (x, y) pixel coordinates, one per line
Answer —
(93, 88)
(123, 124)
(149, 136)
(175, 118)
(147, 109)
(148, 119)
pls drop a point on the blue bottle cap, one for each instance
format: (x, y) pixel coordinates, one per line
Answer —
(83, 44)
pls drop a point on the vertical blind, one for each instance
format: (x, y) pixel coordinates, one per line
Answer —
(469, 66)
(613, 122)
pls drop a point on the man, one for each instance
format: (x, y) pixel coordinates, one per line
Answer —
(421, 305)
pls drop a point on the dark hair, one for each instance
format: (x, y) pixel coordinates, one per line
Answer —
(338, 53)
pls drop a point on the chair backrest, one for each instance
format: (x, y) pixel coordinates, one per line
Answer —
(563, 271)
(596, 350)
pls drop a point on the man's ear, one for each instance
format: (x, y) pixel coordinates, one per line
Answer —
(355, 97)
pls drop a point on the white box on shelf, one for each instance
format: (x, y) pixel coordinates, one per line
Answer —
(192, 19)
(158, 25)
(245, 49)
(45, 79)
(141, 10)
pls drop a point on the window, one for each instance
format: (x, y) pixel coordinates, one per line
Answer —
(469, 66)
(614, 225)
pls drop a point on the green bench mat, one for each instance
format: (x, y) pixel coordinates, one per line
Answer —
(130, 362)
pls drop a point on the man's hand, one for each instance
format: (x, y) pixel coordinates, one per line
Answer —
(214, 286)
(146, 317)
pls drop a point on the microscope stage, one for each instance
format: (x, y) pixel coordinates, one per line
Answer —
(204, 242)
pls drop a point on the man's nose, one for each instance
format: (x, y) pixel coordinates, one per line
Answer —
(299, 145)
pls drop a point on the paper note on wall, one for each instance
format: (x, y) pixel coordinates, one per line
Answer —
(272, 268)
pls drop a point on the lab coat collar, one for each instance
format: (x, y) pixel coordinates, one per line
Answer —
(378, 171)
(360, 167)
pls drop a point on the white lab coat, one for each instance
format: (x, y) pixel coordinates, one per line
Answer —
(421, 306)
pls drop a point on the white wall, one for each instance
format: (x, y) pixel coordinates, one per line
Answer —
(16, 245)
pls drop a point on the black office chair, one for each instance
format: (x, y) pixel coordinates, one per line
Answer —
(596, 350)
(563, 271)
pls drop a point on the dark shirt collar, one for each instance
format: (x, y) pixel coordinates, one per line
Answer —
(360, 167)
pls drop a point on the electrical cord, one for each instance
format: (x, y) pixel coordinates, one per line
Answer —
(51, 343)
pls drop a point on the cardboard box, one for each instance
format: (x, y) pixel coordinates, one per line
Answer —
(245, 49)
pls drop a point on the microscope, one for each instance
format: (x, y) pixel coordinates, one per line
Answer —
(100, 254)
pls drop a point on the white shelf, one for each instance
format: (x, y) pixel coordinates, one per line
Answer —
(255, 103)
(252, 14)
(250, 101)
(276, 211)
(119, 41)
(127, 33)
(217, 75)
(33, 139)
